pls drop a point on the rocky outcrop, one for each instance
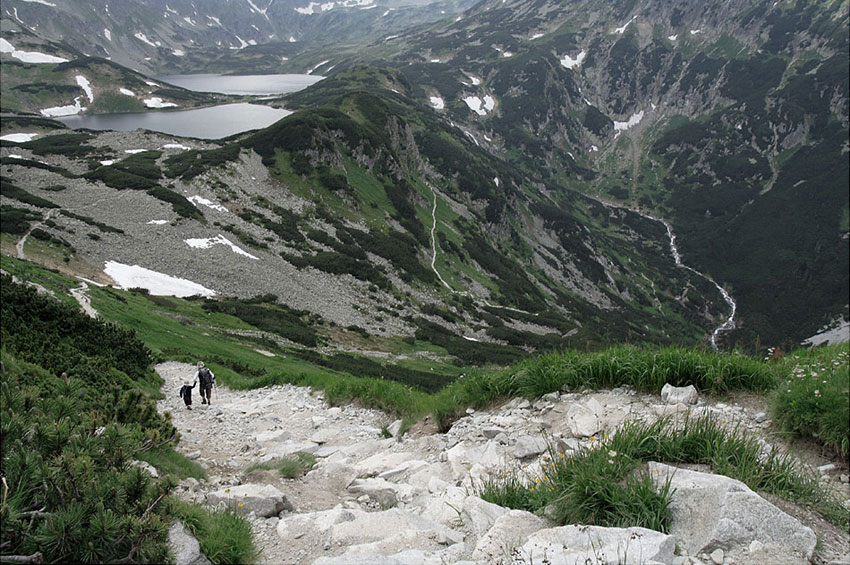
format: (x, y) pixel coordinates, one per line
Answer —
(712, 512)
(414, 499)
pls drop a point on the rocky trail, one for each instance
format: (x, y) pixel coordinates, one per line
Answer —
(412, 499)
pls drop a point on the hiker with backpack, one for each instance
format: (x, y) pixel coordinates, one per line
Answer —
(207, 380)
(186, 393)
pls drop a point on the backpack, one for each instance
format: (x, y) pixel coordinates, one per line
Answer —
(205, 375)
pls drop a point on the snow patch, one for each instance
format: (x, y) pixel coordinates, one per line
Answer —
(178, 52)
(176, 146)
(325, 62)
(156, 102)
(695, 31)
(134, 151)
(480, 106)
(18, 137)
(158, 284)
(438, 102)
(215, 19)
(108, 162)
(107, 34)
(158, 222)
(208, 203)
(126, 92)
(837, 331)
(206, 243)
(144, 39)
(84, 83)
(620, 30)
(44, 2)
(68, 110)
(633, 120)
(570, 63)
(28, 56)
(536, 36)
(673, 37)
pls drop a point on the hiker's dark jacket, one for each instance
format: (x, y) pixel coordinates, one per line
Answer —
(186, 393)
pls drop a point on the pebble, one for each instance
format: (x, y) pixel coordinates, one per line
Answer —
(760, 417)
(717, 556)
(823, 469)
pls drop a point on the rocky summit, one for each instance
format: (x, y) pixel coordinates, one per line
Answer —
(380, 497)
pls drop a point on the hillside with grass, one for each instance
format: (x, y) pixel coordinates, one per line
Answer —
(804, 398)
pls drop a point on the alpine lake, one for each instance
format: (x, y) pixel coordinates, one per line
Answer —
(213, 122)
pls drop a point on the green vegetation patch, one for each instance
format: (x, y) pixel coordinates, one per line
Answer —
(263, 313)
(179, 203)
(10, 190)
(189, 164)
(69, 144)
(814, 400)
(16, 221)
(138, 172)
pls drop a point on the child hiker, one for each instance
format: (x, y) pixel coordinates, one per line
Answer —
(186, 393)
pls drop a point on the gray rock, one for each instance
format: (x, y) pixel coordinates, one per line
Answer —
(528, 446)
(760, 417)
(491, 433)
(829, 467)
(264, 500)
(507, 532)
(383, 492)
(569, 545)
(676, 395)
(194, 454)
(717, 556)
(480, 515)
(184, 546)
(147, 467)
(582, 421)
(713, 511)
(395, 428)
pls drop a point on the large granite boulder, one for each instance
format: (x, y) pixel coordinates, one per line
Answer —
(713, 512)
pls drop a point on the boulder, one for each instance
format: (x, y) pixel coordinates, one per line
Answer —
(295, 526)
(184, 546)
(383, 492)
(528, 446)
(479, 515)
(712, 512)
(582, 421)
(679, 394)
(569, 545)
(264, 500)
(507, 532)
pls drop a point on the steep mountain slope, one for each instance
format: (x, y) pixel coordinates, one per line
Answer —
(728, 118)
(370, 211)
(187, 36)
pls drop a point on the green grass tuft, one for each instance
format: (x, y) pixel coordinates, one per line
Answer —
(814, 399)
(224, 535)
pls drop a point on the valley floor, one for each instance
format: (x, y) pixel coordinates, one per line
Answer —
(411, 500)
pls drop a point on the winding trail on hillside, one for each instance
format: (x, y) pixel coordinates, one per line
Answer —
(439, 276)
(19, 246)
(80, 294)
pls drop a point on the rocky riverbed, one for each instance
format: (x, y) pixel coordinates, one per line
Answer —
(412, 499)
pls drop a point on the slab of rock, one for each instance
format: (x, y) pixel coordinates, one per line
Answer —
(184, 546)
(569, 545)
(679, 394)
(507, 532)
(528, 446)
(264, 500)
(383, 492)
(480, 515)
(582, 421)
(715, 512)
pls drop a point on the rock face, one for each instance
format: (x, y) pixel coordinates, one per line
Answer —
(712, 512)
(414, 499)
